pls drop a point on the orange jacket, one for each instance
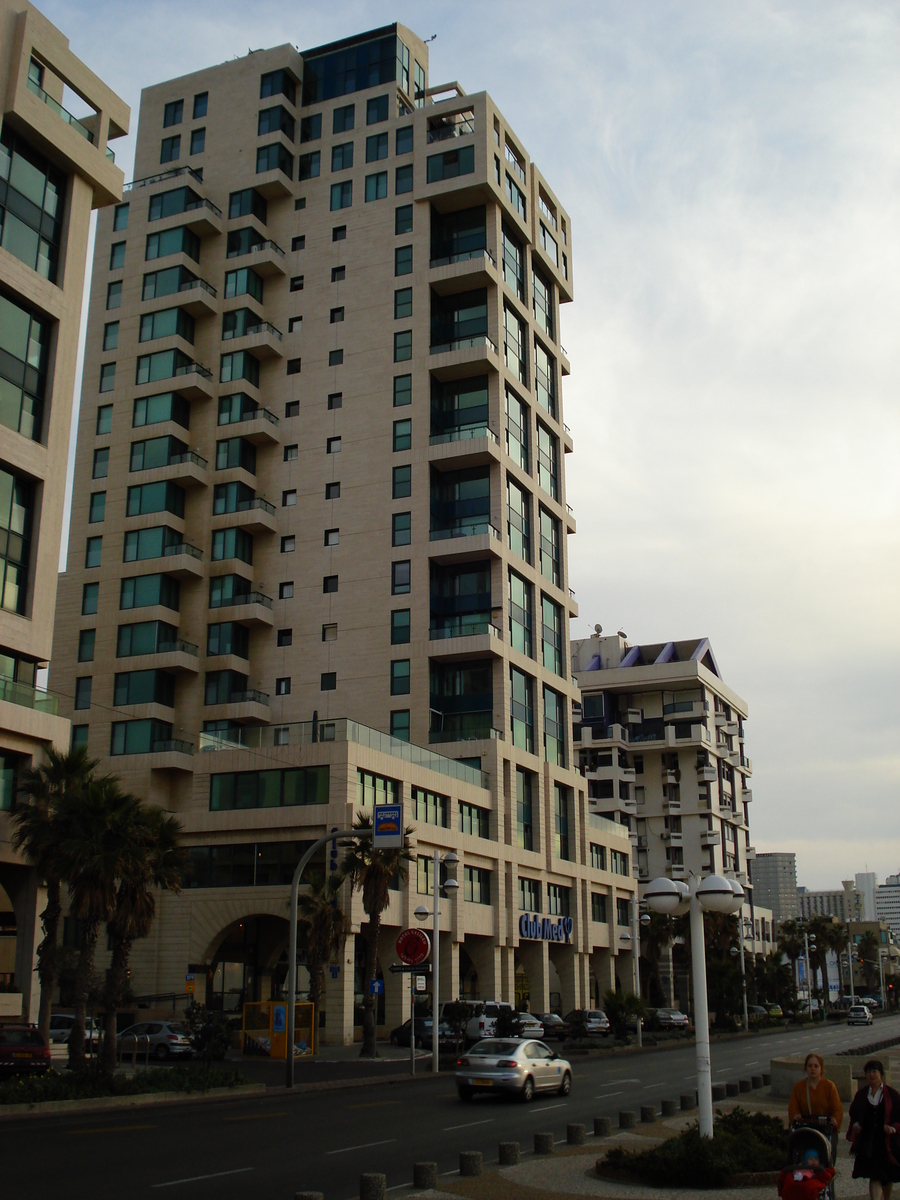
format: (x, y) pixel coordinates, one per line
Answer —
(824, 1101)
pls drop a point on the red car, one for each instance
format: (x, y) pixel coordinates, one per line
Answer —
(22, 1051)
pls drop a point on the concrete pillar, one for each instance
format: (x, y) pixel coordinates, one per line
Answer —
(396, 987)
(534, 957)
(507, 988)
(449, 981)
(564, 959)
(485, 958)
(29, 901)
(338, 1029)
(602, 965)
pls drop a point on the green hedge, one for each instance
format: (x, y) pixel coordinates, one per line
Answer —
(24, 1089)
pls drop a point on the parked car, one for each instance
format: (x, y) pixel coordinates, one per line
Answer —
(521, 1066)
(859, 1014)
(483, 1020)
(774, 1010)
(401, 1035)
(594, 1020)
(871, 1002)
(61, 1026)
(672, 1018)
(23, 1051)
(756, 1012)
(555, 1027)
(167, 1038)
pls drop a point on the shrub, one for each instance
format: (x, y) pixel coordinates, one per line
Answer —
(88, 1085)
(743, 1143)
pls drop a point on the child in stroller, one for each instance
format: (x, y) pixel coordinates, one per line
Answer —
(810, 1172)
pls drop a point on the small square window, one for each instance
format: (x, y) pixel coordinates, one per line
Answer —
(285, 637)
(116, 256)
(402, 303)
(332, 537)
(120, 218)
(291, 452)
(401, 483)
(104, 418)
(173, 113)
(286, 590)
(86, 645)
(101, 463)
(338, 273)
(299, 203)
(111, 335)
(288, 544)
(339, 233)
(400, 677)
(328, 681)
(400, 578)
(402, 390)
(170, 149)
(97, 510)
(79, 735)
(292, 408)
(198, 141)
(332, 491)
(376, 147)
(294, 323)
(403, 261)
(330, 583)
(200, 105)
(83, 691)
(401, 529)
(90, 597)
(377, 110)
(403, 218)
(294, 365)
(311, 128)
(283, 686)
(92, 551)
(400, 724)
(107, 377)
(399, 626)
(403, 435)
(336, 400)
(335, 358)
(337, 315)
(289, 499)
(341, 195)
(281, 735)
(299, 243)
(114, 294)
(342, 120)
(403, 179)
(297, 283)
(376, 186)
(329, 633)
(342, 156)
(403, 346)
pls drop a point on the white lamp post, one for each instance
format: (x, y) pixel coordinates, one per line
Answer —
(714, 894)
(421, 914)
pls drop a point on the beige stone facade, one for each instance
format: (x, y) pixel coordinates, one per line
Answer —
(54, 169)
(337, 296)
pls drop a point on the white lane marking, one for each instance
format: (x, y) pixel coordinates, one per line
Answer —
(364, 1146)
(468, 1125)
(624, 1081)
(548, 1107)
(755, 1063)
(197, 1178)
(608, 1095)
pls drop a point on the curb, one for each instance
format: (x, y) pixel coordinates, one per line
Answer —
(141, 1100)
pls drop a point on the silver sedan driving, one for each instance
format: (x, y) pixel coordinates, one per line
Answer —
(522, 1066)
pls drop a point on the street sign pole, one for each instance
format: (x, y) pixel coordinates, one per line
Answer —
(412, 1024)
(436, 973)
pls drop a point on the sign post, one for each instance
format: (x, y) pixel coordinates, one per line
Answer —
(413, 947)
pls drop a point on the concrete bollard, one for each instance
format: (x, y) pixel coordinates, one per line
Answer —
(309, 1196)
(574, 1135)
(470, 1162)
(627, 1120)
(757, 1081)
(543, 1143)
(669, 1108)
(687, 1102)
(767, 1079)
(648, 1114)
(744, 1085)
(602, 1126)
(425, 1175)
(732, 1089)
(718, 1091)
(372, 1187)
(509, 1154)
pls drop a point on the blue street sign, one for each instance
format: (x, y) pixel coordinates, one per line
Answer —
(388, 827)
(376, 987)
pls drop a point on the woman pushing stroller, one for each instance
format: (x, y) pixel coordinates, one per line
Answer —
(815, 1113)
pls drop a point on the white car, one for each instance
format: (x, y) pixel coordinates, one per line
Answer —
(858, 1014)
(61, 1026)
(483, 1021)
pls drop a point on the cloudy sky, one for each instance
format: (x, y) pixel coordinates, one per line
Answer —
(733, 174)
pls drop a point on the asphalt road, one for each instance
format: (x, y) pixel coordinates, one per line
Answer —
(278, 1144)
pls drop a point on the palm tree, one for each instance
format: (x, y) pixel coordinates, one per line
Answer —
(326, 933)
(151, 858)
(820, 929)
(36, 835)
(371, 872)
(94, 836)
(790, 942)
(868, 948)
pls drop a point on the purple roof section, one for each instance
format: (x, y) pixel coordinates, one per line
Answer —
(684, 651)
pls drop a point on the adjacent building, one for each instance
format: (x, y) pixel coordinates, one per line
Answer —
(844, 905)
(318, 546)
(774, 877)
(55, 168)
(887, 904)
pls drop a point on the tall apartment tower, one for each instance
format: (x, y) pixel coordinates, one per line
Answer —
(54, 169)
(320, 512)
(774, 878)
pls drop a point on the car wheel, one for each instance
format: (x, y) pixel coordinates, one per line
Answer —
(161, 1052)
(566, 1086)
(465, 1094)
(528, 1090)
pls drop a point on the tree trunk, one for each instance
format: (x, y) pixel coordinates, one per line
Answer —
(83, 973)
(115, 990)
(316, 982)
(369, 1048)
(46, 955)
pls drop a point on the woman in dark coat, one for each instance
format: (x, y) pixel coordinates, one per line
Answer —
(875, 1133)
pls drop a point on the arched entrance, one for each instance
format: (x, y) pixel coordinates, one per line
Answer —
(468, 977)
(248, 961)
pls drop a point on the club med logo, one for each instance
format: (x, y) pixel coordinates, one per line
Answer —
(545, 929)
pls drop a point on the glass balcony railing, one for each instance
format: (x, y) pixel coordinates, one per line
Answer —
(194, 369)
(178, 646)
(182, 548)
(161, 177)
(110, 154)
(190, 285)
(462, 435)
(202, 202)
(468, 529)
(188, 457)
(439, 633)
(467, 343)
(256, 503)
(264, 327)
(463, 256)
(56, 107)
(246, 598)
(27, 696)
(248, 697)
(173, 745)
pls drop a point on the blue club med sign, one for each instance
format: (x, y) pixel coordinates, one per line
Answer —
(545, 929)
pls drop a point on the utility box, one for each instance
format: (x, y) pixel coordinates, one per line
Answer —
(264, 1029)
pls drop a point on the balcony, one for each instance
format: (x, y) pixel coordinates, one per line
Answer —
(263, 340)
(439, 736)
(467, 356)
(462, 545)
(467, 343)
(673, 837)
(188, 469)
(176, 655)
(64, 113)
(676, 871)
(473, 268)
(267, 259)
(183, 561)
(173, 755)
(670, 777)
(710, 837)
(252, 608)
(462, 448)
(199, 298)
(163, 177)
(570, 519)
(203, 217)
(707, 773)
(195, 382)
(749, 853)
(635, 716)
(259, 425)
(746, 795)
(256, 516)
(745, 765)
(671, 806)
(249, 705)
(469, 529)
(683, 710)
(27, 696)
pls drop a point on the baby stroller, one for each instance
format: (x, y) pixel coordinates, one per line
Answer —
(809, 1175)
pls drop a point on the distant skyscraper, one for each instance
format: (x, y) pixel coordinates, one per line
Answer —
(866, 885)
(887, 904)
(774, 878)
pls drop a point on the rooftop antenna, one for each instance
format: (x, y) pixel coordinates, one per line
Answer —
(431, 39)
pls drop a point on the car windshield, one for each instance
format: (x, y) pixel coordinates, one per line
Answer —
(494, 1048)
(177, 1027)
(21, 1037)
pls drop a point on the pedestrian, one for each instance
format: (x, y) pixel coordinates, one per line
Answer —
(815, 1096)
(874, 1133)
